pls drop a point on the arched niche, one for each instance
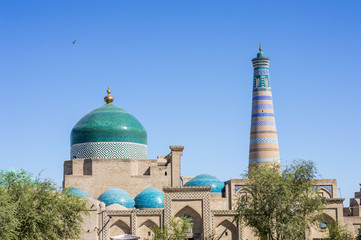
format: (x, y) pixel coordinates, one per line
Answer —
(324, 192)
(145, 230)
(243, 192)
(326, 221)
(118, 228)
(226, 231)
(197, 229)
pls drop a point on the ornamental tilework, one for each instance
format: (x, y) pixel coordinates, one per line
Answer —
(104, 224)
(262, 106)
(258, 98)
(264, 111)
(238, 187)
(262, 115)
(264, 160)
(261, 72)
(204, 196)
(262, 123)
(109, 150)
(134, 224)
(328, 187)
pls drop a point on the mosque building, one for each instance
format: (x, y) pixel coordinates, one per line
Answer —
(128, 193)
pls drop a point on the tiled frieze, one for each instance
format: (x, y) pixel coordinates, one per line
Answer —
(109, 150)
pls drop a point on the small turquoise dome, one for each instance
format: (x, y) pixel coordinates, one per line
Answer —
(260, 54)
(77, 192)
(205, 180)
(108, 123)
(150, 198)
(117, 195)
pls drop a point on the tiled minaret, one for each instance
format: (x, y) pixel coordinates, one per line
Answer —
(263, 148)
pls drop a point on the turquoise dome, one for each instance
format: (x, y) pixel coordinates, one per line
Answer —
(150, 198)
(77, 192)
(108, 132)
(260, 54)
(117, 195)
(205, 180)
(108, 123)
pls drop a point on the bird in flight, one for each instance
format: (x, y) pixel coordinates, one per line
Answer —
(74, 42)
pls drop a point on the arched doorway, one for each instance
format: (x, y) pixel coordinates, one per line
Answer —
(189, 212)
(145, 230)
(226, 231)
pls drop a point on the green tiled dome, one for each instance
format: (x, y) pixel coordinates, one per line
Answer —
(108, 123)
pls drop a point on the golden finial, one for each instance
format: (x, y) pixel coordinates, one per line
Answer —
(260, 48)
(108, 98)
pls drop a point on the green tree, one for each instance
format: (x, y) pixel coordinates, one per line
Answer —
(337, 232)
(179, 229)
(35, 208)
(358, 237)
(279, 205)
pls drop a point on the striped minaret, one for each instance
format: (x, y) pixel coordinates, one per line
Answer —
(263, 148)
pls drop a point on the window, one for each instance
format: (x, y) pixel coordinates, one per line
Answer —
(323, 225)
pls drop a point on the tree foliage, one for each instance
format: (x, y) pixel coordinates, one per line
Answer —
(337, 232)
(178, 229)
(358, 237)
(34, 208)
(280, 205)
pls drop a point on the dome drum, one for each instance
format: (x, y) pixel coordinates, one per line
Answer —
(109, 150)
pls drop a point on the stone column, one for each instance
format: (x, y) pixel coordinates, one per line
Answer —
(176, 153)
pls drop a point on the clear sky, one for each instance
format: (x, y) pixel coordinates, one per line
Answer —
(183, 69)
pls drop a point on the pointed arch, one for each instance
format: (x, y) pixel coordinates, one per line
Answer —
(197, 220)
(327, 218)
(145, 229)
(119, 227)
(244, 192)
(324, 192)
(226, 231)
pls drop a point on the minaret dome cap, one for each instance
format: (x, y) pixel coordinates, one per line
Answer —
(108, 98)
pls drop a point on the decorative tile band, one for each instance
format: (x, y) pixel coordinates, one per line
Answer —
(328, 187)
(264, 149)
(262, 89)
(260, 132)
(262, 115)
(109, 150)
(262, 93)
(257, 98)
(262, 106)
(238, 187)
(262, 123)
(264, 160)
(263, 140)
(261, 72)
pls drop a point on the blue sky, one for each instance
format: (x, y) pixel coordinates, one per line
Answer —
(183, 69)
